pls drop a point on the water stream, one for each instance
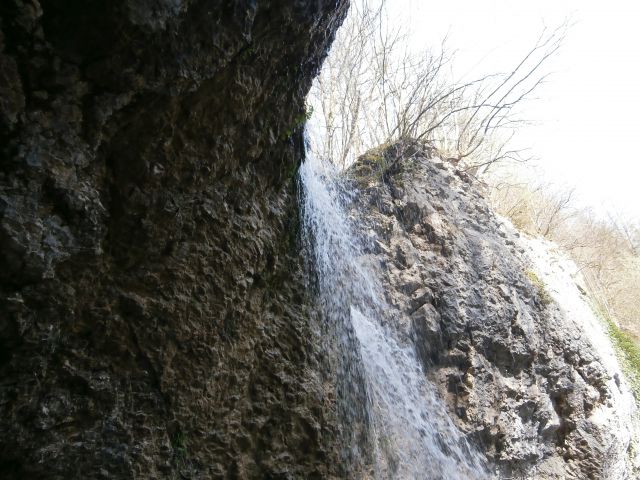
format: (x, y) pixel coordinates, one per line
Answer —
(395, 423)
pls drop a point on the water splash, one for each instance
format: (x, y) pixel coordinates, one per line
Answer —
(396, 425)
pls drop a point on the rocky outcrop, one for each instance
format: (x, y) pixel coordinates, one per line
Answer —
(154, 321)
(152, 315)
(519, 376)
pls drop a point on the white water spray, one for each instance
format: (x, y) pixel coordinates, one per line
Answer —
(383, 395)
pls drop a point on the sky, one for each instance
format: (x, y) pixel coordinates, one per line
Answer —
(586, 117)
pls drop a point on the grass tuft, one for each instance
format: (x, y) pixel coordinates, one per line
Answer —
(543, 294)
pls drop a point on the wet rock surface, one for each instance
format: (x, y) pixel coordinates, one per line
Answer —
(519, 377)
(153, 318)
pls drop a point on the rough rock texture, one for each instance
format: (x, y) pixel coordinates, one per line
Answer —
(152, 318)
(521, 379)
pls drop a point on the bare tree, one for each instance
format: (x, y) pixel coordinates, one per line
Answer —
(374, 89)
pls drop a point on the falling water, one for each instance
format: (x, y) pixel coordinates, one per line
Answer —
(394, 419)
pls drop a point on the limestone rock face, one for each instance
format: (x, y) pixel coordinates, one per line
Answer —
(153, 320)
(517, 374)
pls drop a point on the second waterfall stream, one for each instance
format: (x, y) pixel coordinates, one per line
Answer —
(397, 425)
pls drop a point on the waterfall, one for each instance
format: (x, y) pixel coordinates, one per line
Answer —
(396, 424)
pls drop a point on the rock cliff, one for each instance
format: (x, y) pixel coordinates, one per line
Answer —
(518, 372)
(153, 321)
(154, 318)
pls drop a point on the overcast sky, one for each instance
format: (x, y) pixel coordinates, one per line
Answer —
(588, 113)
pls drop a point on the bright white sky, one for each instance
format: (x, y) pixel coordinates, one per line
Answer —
(588, 114)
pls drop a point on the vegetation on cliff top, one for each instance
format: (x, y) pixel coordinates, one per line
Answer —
(376, 88)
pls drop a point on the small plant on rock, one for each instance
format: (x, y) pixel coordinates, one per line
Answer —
(543, 294)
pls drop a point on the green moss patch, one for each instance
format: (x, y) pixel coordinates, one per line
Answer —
(370, 166)
(627, 347)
